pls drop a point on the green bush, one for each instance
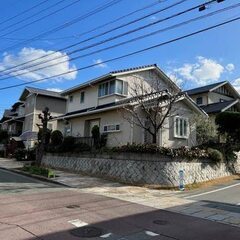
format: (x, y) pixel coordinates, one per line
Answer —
(20, 154)
(39, 171)
(56, 138)
(31, 154)
(3, 136)
(68, 144)
(190, 153)
(215, 155)
(81, 147)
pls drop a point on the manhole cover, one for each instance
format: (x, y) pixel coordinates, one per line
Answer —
(160, 222)
(73, 206)
(87, 232)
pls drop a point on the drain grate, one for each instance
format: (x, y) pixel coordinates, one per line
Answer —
(73, 206)
(87, 232)
(160, 222)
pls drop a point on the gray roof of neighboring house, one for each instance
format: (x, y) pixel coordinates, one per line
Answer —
(6, 115)
(218, 107)
(40, 91)
(204, 88)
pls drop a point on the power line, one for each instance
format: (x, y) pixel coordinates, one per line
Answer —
(95, 28)
(130, 54)
(23, 12)
(136, 39)
(65, 25)
(34, 15)
(103, 41)
(102, 34)
(119, 18)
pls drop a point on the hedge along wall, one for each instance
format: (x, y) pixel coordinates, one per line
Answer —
(141, 168)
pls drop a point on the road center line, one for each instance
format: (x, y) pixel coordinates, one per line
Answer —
(213, 191)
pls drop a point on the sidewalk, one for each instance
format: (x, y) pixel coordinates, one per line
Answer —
(159, 199)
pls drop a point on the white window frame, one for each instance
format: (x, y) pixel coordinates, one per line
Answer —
(177, 121)
(107, 91)
(113, 130)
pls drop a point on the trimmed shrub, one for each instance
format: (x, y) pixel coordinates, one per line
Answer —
(56, 138)
(215, 155)
(190, 153)
(68, 144)
(96, 135)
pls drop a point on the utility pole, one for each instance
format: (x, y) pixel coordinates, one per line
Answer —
(45, 116)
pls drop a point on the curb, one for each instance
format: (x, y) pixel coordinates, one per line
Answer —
(35, 176)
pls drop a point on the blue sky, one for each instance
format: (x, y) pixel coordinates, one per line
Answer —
(209, 57)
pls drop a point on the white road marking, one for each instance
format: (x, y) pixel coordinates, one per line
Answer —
(152, 234)
(213, 191)
(238, 204)
(106, 235)
(78, 223)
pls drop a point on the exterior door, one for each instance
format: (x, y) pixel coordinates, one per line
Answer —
(92, 123)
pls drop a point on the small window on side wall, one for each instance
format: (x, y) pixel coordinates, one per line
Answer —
(82, 96)
(199, 100)
(70, 98)
(180, 127)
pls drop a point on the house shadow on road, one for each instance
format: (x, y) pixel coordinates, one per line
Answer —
(129, 221)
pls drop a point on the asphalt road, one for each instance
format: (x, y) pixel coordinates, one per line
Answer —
(31, 209)
(228, 193)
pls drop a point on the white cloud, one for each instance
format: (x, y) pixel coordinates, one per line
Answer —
(28, 54)
(174, 78)
(236, 84)
(202, 72)
(99, 63)
(55, 89)
(230, 67)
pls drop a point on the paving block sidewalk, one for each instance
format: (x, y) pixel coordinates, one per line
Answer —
(159, 199)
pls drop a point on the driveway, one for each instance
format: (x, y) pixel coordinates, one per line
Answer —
(32, 209)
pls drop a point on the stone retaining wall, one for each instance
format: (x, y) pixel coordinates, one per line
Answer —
(141, 168)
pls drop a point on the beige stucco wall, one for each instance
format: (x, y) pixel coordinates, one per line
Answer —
(167, 138)
(204, 97)
(215, 97)
(110, 117)
(130, 133)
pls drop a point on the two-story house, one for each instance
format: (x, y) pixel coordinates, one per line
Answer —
(35, 100)
(216, 98)
(101, 102)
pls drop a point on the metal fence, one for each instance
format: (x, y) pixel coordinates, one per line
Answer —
(85, 140)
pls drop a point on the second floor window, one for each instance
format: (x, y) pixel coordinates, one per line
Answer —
(71, 99)
(199, 101)
(112, 87)
(82, 96)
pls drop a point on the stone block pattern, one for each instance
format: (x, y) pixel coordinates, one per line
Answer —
(137, 169)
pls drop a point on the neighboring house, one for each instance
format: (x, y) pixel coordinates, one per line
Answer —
(101, 102)
(35, 101)
(216, 98)
(12, 120)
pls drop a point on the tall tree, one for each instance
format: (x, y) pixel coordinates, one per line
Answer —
(45, 116)
(150, 104)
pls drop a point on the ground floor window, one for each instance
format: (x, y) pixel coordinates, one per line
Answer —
(180, 127)
(111, 128)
